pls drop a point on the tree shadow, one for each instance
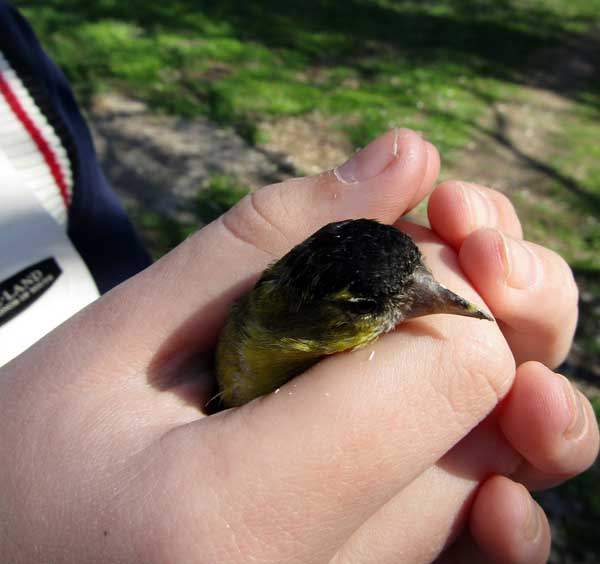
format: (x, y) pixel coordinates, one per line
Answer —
(584, 199)
(497, 38)
(162, 180)
(587, 199)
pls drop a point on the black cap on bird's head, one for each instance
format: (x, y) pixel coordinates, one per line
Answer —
(367, 268)
(368, 259)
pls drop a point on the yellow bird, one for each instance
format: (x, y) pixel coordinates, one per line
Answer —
(340, 289)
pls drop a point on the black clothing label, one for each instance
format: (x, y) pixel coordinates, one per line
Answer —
(23, 288)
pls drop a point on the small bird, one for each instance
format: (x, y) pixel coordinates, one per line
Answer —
(340, 289)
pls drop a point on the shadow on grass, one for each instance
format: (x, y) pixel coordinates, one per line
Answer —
(587, 200)
(495, 38)
(581, 198)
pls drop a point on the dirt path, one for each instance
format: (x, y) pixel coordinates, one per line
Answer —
(158, 162)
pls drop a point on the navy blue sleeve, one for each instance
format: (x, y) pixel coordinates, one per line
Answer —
(97, 224)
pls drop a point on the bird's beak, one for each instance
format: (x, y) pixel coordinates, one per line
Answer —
(431, 297)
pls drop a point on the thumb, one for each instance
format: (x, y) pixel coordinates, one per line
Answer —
(179, 303)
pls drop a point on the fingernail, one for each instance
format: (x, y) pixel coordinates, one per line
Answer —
(532, 523)
(481, 211)
(578, 418)
(371, 160)
(522, 268)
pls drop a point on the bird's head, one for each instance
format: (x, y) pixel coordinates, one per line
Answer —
(364, 273)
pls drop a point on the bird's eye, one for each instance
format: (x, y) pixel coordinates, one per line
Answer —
(361, 306)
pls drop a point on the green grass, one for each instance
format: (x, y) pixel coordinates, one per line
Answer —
(365, 65)
(369, 64)
(579, 162)
(162, 232)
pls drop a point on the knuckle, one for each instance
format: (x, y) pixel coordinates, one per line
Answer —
(481, 371)
(506, 203)
(255, 220)
(560, 314)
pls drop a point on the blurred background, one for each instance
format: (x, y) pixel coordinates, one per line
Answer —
(194, 103)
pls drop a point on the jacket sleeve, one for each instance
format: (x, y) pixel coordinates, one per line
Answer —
(95, 221)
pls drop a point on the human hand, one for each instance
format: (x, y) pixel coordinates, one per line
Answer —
(106, 441)
(534, 436)
(526, 437)
(538, 419)
(529, 288)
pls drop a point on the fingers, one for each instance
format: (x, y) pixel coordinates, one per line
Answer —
(415, 526)
(551, 424)
(343, 438)
(529, 288)
(422, 520)
(524, 439)
(508, 525)
(457, 209)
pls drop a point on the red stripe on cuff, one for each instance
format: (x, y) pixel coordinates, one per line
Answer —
(37, 137)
